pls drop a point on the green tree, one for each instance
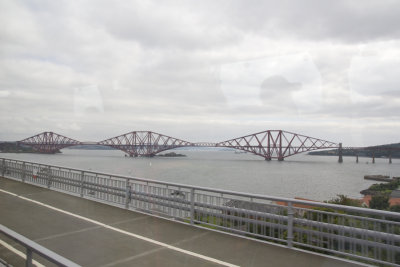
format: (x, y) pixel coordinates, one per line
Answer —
(379, 202)
(345, 200)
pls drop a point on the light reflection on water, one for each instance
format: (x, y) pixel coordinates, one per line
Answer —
(313, 177)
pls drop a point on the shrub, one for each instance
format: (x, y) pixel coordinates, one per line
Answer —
(379, 202)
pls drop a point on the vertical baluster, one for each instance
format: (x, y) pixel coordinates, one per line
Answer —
(28, 262)
(48, 176)
(23, 172)
(82, 183)
(127, 194)
(3, 167)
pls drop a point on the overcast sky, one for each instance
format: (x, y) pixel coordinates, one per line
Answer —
(201, 70)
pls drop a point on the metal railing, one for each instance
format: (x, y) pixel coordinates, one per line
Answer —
(32, 247)
(367, 235)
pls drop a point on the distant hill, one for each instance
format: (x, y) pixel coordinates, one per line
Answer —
(11, 147)
(379, 151)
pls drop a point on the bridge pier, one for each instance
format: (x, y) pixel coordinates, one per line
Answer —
(280, 158)
(373, 158)
(268, 158)
(390, 158)
(356, 158)
(340, 152)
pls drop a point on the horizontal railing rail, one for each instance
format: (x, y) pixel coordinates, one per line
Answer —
(368, 235)
(33, 247)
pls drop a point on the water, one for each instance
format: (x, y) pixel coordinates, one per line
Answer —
(312, 177)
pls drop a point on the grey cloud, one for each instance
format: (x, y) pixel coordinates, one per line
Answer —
(160, 25)
(277, 89)
(349, 21)
(165, 67)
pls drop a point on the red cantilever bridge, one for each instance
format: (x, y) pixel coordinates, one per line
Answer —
(270, 144)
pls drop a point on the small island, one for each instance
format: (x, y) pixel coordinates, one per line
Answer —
(171, 154)
(380, 178)
(383, 188)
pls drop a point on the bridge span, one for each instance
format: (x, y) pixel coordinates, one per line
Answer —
(270, 144)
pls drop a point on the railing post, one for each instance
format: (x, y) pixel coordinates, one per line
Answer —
(82, 182)
(28, 262)
(3, 167)
(191, 206)
(127, 194)
(23, 172)
(290, 225)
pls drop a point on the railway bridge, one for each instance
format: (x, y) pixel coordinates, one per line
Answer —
(269, 144)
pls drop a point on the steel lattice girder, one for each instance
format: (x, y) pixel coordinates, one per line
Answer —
(277, 144)
(144, 143)
(268, 144)
(48, 142)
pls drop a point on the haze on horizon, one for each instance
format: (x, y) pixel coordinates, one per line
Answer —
(201, 71)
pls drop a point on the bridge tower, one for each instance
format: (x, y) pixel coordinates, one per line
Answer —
(340, 152)
(48, 142)
(276, 144)
(280, 154)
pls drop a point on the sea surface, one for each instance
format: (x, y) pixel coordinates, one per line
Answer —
(306, 176)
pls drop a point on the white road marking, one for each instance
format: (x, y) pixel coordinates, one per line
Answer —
(126, 232)
(19, 253)
(148, 252)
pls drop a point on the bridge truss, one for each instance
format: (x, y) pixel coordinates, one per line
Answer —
(48, 142)
(270, 144)
(144, 143)
(277, 144)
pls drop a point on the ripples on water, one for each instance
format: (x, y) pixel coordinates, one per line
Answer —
(313, 177)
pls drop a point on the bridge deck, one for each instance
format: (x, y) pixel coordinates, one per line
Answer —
(94, 234)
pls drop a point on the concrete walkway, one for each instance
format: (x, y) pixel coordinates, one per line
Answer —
(94, 234)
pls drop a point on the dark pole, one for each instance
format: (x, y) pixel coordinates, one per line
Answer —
(340, 152)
